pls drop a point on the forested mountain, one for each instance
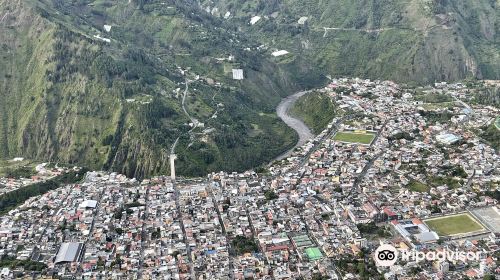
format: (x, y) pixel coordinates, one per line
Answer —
(102, 83)
(414, 41)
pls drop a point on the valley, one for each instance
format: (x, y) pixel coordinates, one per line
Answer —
(305, 139)
(113, 84)
(283, 112)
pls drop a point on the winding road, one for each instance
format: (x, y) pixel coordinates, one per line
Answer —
(302, 129)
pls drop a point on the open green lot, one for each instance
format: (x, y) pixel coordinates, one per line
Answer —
(417, 186)
(354, 137)
(452, 225)
(436, 106)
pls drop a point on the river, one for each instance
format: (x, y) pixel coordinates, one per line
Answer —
(298, 125)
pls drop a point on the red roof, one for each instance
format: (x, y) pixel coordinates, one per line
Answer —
(320, 171)
(471, 273)
(389, 212)
(416, 221)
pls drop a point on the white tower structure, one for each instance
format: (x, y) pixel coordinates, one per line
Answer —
(173, 157)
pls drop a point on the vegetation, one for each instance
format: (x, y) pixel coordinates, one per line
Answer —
(438, 106)
(20, 172)
(450, 182)
(351, 137)
(363, 269)
(14, 198)
(494, 194)
(492, 135)
(113, 105)
(456, 224)
(242, 245)
(434, 117)
(434, 98)
(434, 209)
(421, 50)
(372, 229)
(319, 276)
(133, 204)
(16, 169)
(156, 234)
(28, 265)
(70, 97)
(417, 186)
(270, 195)
(458, 171)
(316, 110)
(489, 95)
(401, 135)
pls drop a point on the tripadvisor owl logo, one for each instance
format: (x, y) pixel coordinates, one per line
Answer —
(385, 255)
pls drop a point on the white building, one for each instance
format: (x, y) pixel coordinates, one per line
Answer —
(238, 74)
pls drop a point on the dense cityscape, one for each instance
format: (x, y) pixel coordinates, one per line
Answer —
(394, 166)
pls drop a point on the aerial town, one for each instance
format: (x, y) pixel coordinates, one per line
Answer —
(392, 167)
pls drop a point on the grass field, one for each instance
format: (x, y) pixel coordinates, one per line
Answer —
(435, 106)
(354, 137)
(418, 187)
(457, 224)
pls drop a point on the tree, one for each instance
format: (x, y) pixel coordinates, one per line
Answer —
(242, 244)
(270, 195)
(319, 276)
(100, 262)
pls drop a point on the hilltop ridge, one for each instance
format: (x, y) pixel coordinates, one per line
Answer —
(411, 41)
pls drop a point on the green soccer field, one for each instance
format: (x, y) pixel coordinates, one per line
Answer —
(456, 224)
(352, 137)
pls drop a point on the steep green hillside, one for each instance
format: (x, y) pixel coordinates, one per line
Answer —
(75, 92)
(113, 83)
(316, 109)
(415, 41)
(491, 134)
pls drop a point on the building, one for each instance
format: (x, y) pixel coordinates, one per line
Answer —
(69, 252)
(88, 204)
(447, 138)
(415, 230)
(279, 53)
(238, 74)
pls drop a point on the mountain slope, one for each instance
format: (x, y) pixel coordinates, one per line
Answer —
(113, 84)
(418, 41)
(76, 93)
